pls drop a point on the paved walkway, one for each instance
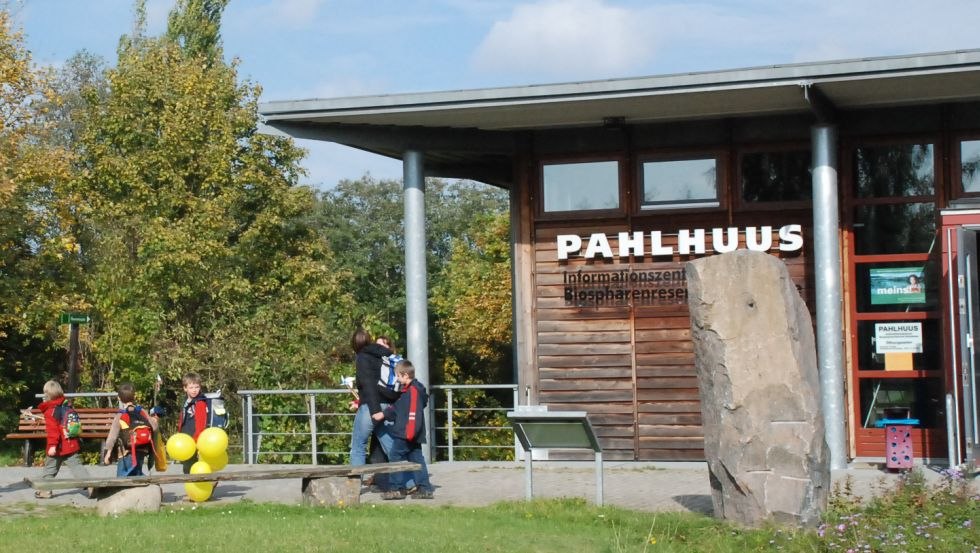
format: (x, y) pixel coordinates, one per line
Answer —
(638, 486)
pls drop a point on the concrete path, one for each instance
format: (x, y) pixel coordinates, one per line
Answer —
(638, 486)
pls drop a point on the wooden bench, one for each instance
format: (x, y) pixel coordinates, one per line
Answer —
(95, 421)
(321, 485)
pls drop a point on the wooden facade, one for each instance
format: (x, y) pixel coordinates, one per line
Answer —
(630, 364)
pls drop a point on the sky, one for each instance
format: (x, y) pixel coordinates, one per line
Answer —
(303, 49)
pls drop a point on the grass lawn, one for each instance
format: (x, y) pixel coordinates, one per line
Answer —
(561, 526)
(912, 517)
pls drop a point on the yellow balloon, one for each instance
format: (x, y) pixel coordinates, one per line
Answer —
(180, 447)
(198, 491)
(217, 462)
(212, 442)
(201, 467)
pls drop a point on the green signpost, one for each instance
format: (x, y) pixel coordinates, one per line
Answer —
(75, 318)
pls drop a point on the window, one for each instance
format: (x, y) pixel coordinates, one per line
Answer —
(679, 184)
(894, 320)
(582, 186)
(894, 228)
(894, 171)
(776, 176)
(970, 166)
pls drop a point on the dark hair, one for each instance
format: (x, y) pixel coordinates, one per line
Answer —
(126, 392)
(360, 339)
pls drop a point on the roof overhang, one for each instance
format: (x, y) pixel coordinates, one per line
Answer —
(471, 133)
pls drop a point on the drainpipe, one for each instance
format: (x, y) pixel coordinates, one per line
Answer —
(416, 293)
(827, 265)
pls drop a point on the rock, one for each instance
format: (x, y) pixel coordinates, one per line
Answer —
(760, 390)
(126, 500)
(339, 491)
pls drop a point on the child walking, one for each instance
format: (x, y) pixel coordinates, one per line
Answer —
(199, 411)
(60, 449)
(408, 434)
(133, 427)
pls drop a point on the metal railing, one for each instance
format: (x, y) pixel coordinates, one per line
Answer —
(451, 429)
(327, 433)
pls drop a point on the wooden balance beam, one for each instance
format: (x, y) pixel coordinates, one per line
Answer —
(321, 485)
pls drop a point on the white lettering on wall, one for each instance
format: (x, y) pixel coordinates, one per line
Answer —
(598, 243)
(630, 245)
(568, 243)
(790, 238)
(688, 241)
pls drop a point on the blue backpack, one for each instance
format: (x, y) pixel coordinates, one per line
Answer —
(388, 380)
(217, 412)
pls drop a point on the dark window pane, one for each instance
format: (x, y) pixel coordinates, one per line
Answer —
(680, 183)
(877, 336)
(894, 171)
(776, 177)
(970, 165)
(897, 228)
(922, 398)
(888, 287)
(581, 186)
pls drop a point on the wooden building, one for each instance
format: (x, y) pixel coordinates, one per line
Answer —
(616, 184)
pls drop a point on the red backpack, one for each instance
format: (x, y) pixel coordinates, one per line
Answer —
(135, 431)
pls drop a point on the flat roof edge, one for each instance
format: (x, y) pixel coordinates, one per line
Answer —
(766, 76)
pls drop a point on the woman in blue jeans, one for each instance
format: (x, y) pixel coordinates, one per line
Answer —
(374, 398)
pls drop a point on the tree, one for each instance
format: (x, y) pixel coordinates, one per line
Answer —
(472, 303)
(198, 248)
(36, 273)
(363, 219)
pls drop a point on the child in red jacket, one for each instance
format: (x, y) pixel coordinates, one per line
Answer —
(60, 450)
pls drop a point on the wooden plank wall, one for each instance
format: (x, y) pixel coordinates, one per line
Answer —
(630, 366)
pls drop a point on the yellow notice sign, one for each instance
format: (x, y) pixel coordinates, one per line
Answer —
(898, 361)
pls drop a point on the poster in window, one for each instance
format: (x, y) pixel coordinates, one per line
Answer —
(897, 285)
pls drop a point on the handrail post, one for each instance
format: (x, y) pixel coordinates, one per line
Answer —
(250, 423)
(313, 426)
(449, 423)
(517, 445)
(244, 429)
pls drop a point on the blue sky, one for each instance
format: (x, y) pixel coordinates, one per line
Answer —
(298, 49)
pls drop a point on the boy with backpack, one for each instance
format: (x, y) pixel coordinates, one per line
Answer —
(200, 411)
(133, 429)
(408, 435)
(62, 431)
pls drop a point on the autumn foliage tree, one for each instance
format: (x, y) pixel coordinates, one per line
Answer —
(198, 254)
(37, 273)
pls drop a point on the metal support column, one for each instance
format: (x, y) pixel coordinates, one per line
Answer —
(416, 293)
(827, 267)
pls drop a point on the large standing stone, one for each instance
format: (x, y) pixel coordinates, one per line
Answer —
(127, 500)
(760, 390)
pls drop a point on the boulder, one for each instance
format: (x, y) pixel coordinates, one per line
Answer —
(760, 390)
(126, 500)
(337, 491)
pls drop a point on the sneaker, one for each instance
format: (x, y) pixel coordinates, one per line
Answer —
(44, 494)
(423, 494)
(393, 494)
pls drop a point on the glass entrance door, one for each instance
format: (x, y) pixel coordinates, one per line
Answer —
(968, 305)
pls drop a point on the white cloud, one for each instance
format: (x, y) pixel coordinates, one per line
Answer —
(577, 38)
(290, 14)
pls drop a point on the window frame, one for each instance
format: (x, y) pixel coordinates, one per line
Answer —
(956, 178)
(622, 188)
(721, 158)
